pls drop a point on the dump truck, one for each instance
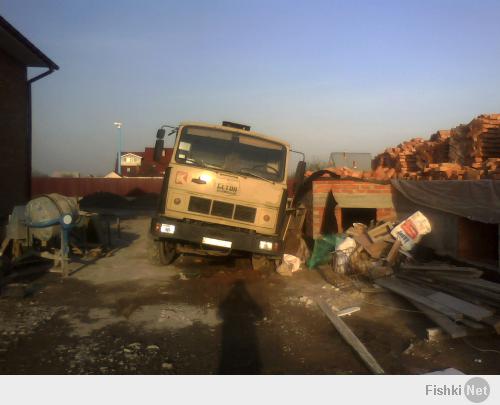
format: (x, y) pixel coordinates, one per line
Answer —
(224, 192)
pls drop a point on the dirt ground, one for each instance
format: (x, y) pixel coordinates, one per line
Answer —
(122, 315)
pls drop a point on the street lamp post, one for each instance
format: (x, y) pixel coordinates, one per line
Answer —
(118, 126)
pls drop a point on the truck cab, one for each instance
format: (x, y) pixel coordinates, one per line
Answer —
(224, 192)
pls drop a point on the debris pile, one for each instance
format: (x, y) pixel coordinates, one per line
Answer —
(373, 250)
(456, 298)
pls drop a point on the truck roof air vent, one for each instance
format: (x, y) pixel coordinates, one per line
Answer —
(235, 125)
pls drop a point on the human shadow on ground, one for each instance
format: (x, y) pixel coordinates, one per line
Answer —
(240, 348)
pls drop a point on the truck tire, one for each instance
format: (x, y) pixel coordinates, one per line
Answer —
(161, 252)
(263, 263)
(5, 266)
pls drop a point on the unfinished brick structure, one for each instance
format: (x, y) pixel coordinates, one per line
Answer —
(339, 203)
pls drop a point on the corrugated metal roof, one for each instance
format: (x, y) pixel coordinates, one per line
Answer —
(353, 160)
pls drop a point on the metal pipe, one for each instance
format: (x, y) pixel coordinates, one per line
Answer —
(29, 125)
(41, 75)
(120, 150)
(299, 153)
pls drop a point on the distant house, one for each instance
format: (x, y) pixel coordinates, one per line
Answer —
(131, 163)
(112, 175)
(16, 54)
(357, 161)
(142, 164)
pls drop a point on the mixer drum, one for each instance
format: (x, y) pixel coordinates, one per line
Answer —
(46, 209)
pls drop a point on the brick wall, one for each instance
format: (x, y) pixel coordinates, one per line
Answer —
(14, 145)
(362, 194)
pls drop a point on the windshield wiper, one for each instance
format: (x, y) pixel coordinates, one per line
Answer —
(244, 171)
(201, 163)
(211, 165)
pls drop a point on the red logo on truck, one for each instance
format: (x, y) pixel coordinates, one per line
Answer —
(181, 178)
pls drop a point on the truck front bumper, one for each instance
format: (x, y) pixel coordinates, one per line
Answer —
(197, 233)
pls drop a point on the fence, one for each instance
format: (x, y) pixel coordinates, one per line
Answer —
(80, 187)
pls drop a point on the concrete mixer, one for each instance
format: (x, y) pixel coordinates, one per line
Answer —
(40, 228)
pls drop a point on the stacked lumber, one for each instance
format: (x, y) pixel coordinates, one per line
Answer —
(472, 144)
(402, 158)
(456, 298)
(467, 152)
(443, 171)
(436, 150)
(492, 168)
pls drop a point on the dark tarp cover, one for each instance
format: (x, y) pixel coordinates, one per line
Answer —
(478, 200)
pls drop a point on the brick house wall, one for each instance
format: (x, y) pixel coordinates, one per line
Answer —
(15, 147)
(147, 166)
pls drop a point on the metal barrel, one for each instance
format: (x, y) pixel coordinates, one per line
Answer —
(44, 213)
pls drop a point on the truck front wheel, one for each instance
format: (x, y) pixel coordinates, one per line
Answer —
(162, 252)
(263, 263)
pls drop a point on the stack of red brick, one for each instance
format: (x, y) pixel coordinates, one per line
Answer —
(469, 151)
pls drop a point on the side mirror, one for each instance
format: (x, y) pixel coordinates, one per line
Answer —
(160, 134)
(158, 148)
(300, 172)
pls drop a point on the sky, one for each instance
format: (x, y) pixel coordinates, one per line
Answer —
(348, 76)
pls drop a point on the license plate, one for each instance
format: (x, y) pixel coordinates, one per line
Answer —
(166, 228)
(227, 188)
(217, 242)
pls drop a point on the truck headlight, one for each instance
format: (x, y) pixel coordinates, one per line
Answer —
(265, 245)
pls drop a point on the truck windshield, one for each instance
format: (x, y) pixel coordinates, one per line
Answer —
(233, 152)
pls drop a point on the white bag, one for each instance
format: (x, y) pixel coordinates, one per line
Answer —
(411, 230)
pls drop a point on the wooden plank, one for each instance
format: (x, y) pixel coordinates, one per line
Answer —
(473, 311)
(456, 269)
(488, 285)
(455, 289)
(450, 327)
(407, 291)
(379, 231)
(474, 290)
(374, 249)
(393, 253)
(493, 321)
(456, 275)
(351, 338)
(348, 311)
(472, 324)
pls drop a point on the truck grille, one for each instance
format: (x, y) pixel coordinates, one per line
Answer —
(242, 213)
(201, 205)
(222, 209)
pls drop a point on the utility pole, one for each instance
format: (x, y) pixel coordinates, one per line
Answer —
(118, 126)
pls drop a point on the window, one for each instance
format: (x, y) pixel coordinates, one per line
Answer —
(233, 152)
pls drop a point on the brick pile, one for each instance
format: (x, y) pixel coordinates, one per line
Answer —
(467, 152)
